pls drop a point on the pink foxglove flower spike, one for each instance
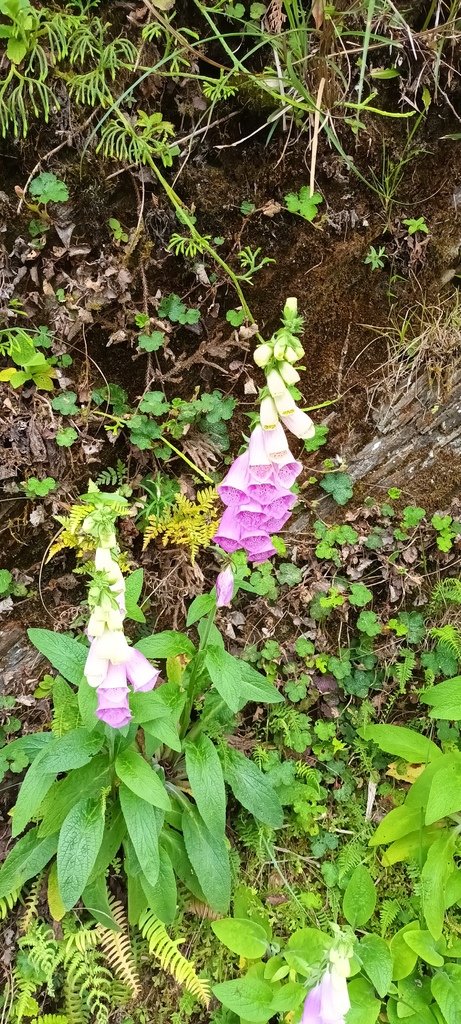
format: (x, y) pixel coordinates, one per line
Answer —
(328, 1002)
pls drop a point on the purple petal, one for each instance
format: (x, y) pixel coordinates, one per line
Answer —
(117, 718)
(228, 532)
(286, 474)
(276, 444)
(252, 516)
(311, 1009)
(140, 673)
(232, 490)
(112, 698)
(281, 505)
(263, 556)
(264, 493)
(95, 670)
(260, 467)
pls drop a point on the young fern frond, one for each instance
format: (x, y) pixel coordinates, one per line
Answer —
(403, 670)
(117, 948)
(188, 523)
(31, 904)
(167, 953)
(350, 857)
(44, 952)
(81, 941)
(88, 980)
(50, 1018)
(445, 592)
(449, 637)
(7, 903)
(388, 913)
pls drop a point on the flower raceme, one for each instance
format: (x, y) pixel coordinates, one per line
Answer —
(257, 493)
(111, 663)
(329, 1001)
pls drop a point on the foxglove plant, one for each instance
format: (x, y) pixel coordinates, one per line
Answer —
(328, 1002)
(257, 487)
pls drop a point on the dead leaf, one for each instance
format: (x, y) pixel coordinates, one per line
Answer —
(271, 208)
(318, 12)
(410, 773)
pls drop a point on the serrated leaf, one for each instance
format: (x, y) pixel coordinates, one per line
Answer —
(27, 858)
(206, 781)
(252, 788)
(65, 654)
(359, 899)
(79, 841)
(378, 963)
(209, 856)
(165, 645)
(236, 681)
(143, 824)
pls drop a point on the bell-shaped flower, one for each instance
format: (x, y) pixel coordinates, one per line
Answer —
(268, 414)
(229, 532)
(140, 673)
(113, 708)
(224, 587)
(288, 373)
(259, 463)
(328, 1002)
(299, 423)
(232, 490)
(262, 354)
(276, 385)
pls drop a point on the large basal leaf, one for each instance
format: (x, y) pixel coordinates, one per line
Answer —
(89, 779)
(65, 654)
(236, 681)
(143, 823)
(403, 956)
(402, 742)
(445, 792)
(134, 771)
(446, 989)
(95, 898)
(162, 897)
(434, 876)
(165, 645)
(398, 823)
(444, 699)
(209, 856)
(378, 962)
(249, 997)
(114, 835)
(27, 858)
(359, 899)
(173, 843)
(252, 788)
(206, 781)
(73, 750)
(364, 1005)
(242, 936)
(425, 946)
(79, 841)
(306, 949)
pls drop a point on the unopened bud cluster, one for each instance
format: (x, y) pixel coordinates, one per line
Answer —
(277, 357)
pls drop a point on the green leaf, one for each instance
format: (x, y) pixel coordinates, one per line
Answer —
(446, 989)
(66, 436)
(444, 699)
(339, 485)
(236, 317)
(27, 858)
(434, 876)
(154, 403)
(369, 623)
(306, 949)
(65, 403)
(134, 771)
(95, 898)
(47, 188)
(79, 841)
(404, 957)
(402, 742)
(89, 779)
(133, 589)
(252, 788)
(114, 834)
(16, 50)
(65, 654)
(165, 645)
(143, 824)
(209, 856)
(364, 1005)
(199, 607)
(377, 960)
(359, 595)
(303, 203)
(422, 943)
(151, 342)
(175, 847)
(359, 899)
(236, 681)
(162, 897)
(33, 790)
(249, 997)
(5, 581)
(206, 781)
(398, 823)
(245, 937)
(445, 793)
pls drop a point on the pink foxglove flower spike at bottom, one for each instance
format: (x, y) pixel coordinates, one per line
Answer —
(328, 1002)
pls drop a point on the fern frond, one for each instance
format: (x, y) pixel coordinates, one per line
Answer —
(403, 670)
(7, 903)
(388, 913)
(50, 1018)
(447, 591)
(90, 981)
(81, 940)
(350, 856)
(44, 952)
(449, 637)
(188, 523)
(117, 948)
(31, 904)
(167, 953)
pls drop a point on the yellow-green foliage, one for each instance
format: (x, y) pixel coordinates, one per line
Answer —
(7, 903)
(117, 948)
(188, 523)
(167, 953)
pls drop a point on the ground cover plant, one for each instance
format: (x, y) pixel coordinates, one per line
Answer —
(230, 595)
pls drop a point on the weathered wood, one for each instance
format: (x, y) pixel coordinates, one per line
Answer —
(20, 664)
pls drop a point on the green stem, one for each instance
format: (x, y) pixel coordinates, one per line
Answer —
(124, 422)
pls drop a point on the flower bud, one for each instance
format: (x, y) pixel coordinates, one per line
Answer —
(290, 355)
(290, 309)
(284, 403)
(279, 349)
(288, 373)
(275, 384)
(262, 354)
(224, 587)
(299, 423)
(268, 414)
